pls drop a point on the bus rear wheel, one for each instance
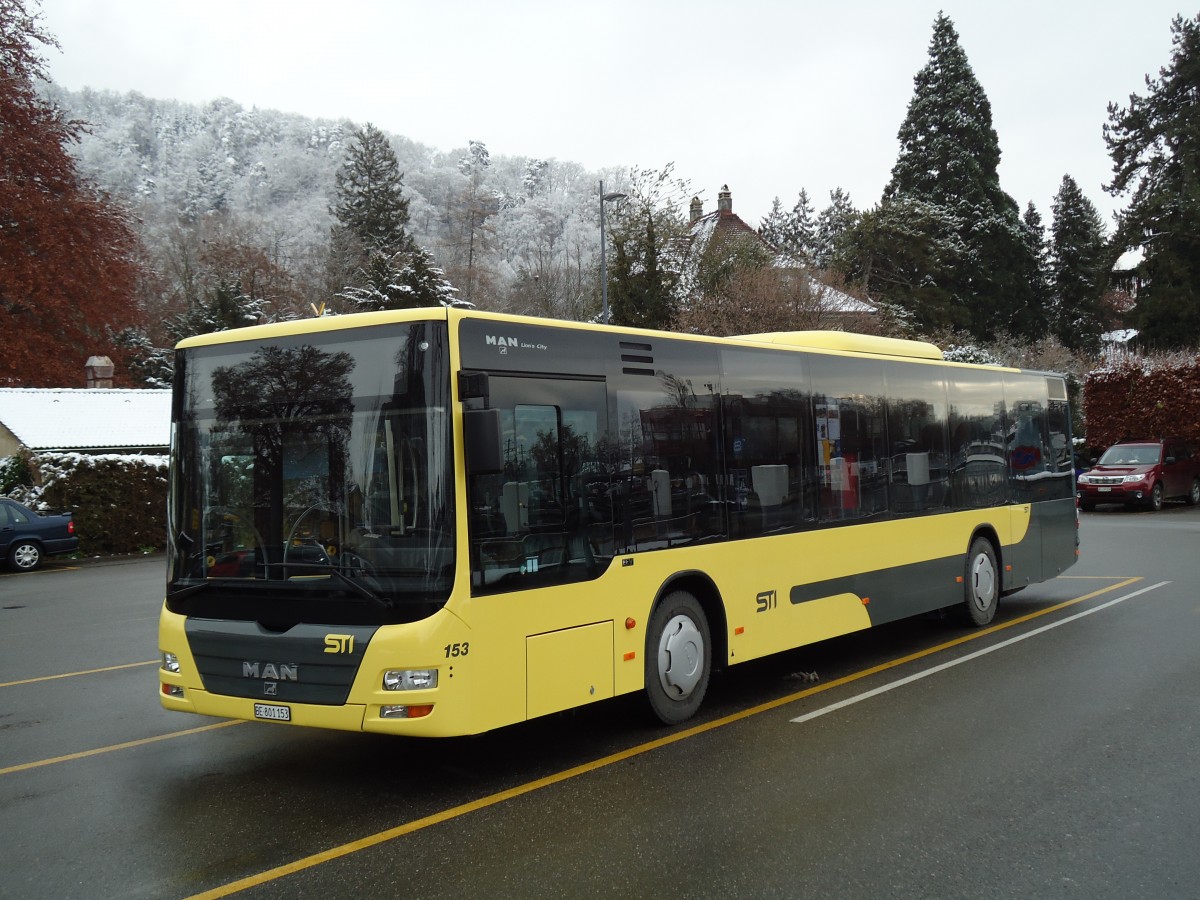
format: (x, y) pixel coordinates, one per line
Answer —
(981, 584)
(678, 658)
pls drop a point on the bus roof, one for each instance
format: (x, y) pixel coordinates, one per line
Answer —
(848, 342)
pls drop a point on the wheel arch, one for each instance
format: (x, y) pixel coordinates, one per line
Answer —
(705, 590)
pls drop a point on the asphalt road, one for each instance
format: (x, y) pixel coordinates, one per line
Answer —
(1054, 755)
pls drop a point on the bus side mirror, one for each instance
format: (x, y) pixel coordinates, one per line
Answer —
(481, 441)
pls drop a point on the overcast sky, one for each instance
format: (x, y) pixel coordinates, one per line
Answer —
(768, 96)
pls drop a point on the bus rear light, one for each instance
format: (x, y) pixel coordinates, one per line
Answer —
(405, 712)
(172, 690)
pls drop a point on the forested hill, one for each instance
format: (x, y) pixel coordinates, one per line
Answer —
(265, 180)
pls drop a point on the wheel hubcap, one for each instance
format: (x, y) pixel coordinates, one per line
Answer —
(680, 657)
(983, 581)
(26, 556)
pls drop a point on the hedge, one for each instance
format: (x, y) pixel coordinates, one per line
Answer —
(119, 502)
(1139, 397)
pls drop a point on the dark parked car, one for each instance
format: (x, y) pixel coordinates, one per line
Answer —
(1142, 473)
(26, 538)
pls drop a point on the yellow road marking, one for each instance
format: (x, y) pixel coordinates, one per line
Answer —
(150, 662)
(455, 812)
(83, 754)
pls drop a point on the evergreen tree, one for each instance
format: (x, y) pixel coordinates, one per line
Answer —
(69, 259)
(1035, 241)
(773, 227)
(833, 223)
(641, 293)
(1079, 270)
(372, 253)
(800, 228)
(949, 156)
(226, 305)
(404, 280)
(646, 233)
(370, 205)
(1155, 147)
(905, 251)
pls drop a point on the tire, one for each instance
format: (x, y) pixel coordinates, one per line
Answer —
(981, 584)
(1155, 501)
(25, 556)
(1087, 505)
(678, 658)
(1193, 496)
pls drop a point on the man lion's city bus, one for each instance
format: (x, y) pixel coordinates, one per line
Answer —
(438, 522)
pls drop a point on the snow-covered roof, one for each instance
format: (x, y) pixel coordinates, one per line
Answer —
(91, 418)
(1120, 336)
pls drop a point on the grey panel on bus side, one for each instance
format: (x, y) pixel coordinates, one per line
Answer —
(516, 347)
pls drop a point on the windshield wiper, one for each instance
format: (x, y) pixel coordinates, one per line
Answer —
(328, 570)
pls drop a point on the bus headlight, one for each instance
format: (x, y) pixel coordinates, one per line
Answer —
(409, 679)
(170, 663)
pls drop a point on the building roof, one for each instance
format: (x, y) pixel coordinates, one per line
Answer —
(91, 419)
(723, 227)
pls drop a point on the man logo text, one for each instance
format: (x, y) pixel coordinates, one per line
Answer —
(271, 671)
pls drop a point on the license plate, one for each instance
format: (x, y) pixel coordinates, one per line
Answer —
(1104, 490)
(272, 712)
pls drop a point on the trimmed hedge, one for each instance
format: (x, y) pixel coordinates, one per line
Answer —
(1144, 398)
(119, 502)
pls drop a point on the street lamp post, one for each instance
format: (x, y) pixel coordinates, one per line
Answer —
(604, 198)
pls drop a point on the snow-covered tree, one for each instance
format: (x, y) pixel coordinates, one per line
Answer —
(646, 233)
(801, 228)
(476, 204)
(1079, 268)
(833, 222)
(369, 194)
(773, 227)
(949, 156)
(403, 280)
(226, 305)
(1039, 250)
(1155, 147)
(905, 251)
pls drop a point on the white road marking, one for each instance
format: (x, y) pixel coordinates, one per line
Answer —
(891, 686)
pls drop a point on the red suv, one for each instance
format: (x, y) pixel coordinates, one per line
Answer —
(1142, 473)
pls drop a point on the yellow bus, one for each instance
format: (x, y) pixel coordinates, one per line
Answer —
(438, 522)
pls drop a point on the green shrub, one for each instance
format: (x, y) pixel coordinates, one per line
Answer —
(119, 501)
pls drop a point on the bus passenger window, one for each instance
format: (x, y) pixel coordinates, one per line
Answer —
(545, 519)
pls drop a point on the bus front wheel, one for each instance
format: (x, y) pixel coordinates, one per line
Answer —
(678, 658)
(981, 588)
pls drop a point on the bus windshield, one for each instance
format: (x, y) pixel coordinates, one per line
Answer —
(312, 478)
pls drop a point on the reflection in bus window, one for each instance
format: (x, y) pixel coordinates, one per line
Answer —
(547, 517)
